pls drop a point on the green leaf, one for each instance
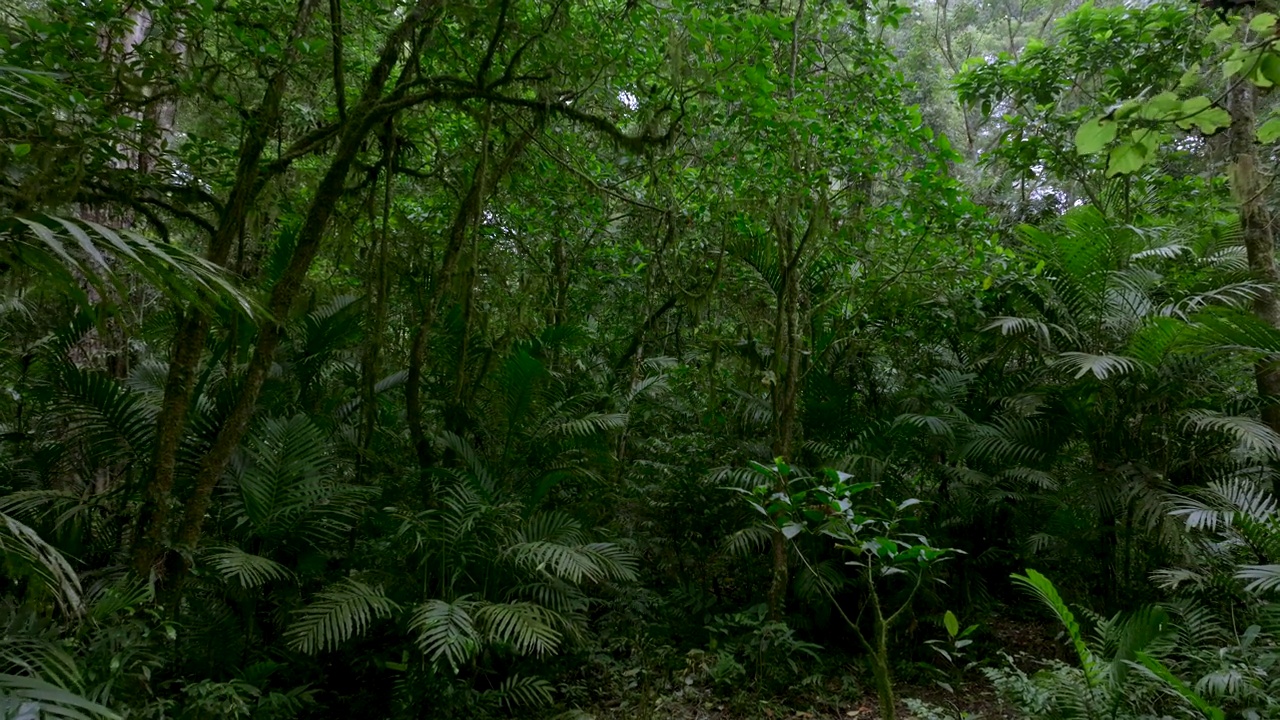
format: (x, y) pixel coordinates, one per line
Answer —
(1209, 121)
(1199, 112)
(1095, 135)
(1161, 107)
(1158, 669)
(1041, 587)
(952, 624)
(20, 149)
(1269, 131)
(1220, 33)
(1125, 159)
(1190, 77)
(1263, 23)
(1269, 68)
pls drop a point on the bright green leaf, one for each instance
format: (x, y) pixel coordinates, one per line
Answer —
(1200, 113)
(1190, 77)
(952, 623)
(1269, 68)
(1094, 136)
(1125, 159)
(1220, 33)
(1161, 107)
(1269, 131)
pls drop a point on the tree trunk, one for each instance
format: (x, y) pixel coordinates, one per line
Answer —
(784, 397)
(376, 325)
(188, 343)
(882, 674)
(1255, 223)
(369, 112)
(483, 182)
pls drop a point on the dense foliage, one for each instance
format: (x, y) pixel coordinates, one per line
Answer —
(404, 358)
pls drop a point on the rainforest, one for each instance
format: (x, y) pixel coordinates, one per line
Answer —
(643, 359)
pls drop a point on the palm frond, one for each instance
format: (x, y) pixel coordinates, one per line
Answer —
(520, 691)
(114, 421)
(287, 469)
(1042, 588)
(1253, 436)
(1100, 366)
(337, 614)
(446, 631)
(748, 540)
(1261, 578)
(246, 569)
(27, 554)
(69, 249)
(595, 562)
(1218, 505)
(527, 627)
(1022, 326)
(28, 697)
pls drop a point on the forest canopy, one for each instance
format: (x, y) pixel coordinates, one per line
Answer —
(657, 358)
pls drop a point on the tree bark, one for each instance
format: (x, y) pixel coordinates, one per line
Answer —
(188, 344)
(368, 113)
(1255, 224)
(376, 325)
(483, 182)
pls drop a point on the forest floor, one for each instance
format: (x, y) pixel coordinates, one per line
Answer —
(974, 700)
(1028, 644)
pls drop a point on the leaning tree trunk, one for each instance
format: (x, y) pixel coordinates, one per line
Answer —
(188, 344)
(1249, 188)
(372, 110)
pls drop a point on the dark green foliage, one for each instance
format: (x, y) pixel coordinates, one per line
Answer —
(413, 359)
